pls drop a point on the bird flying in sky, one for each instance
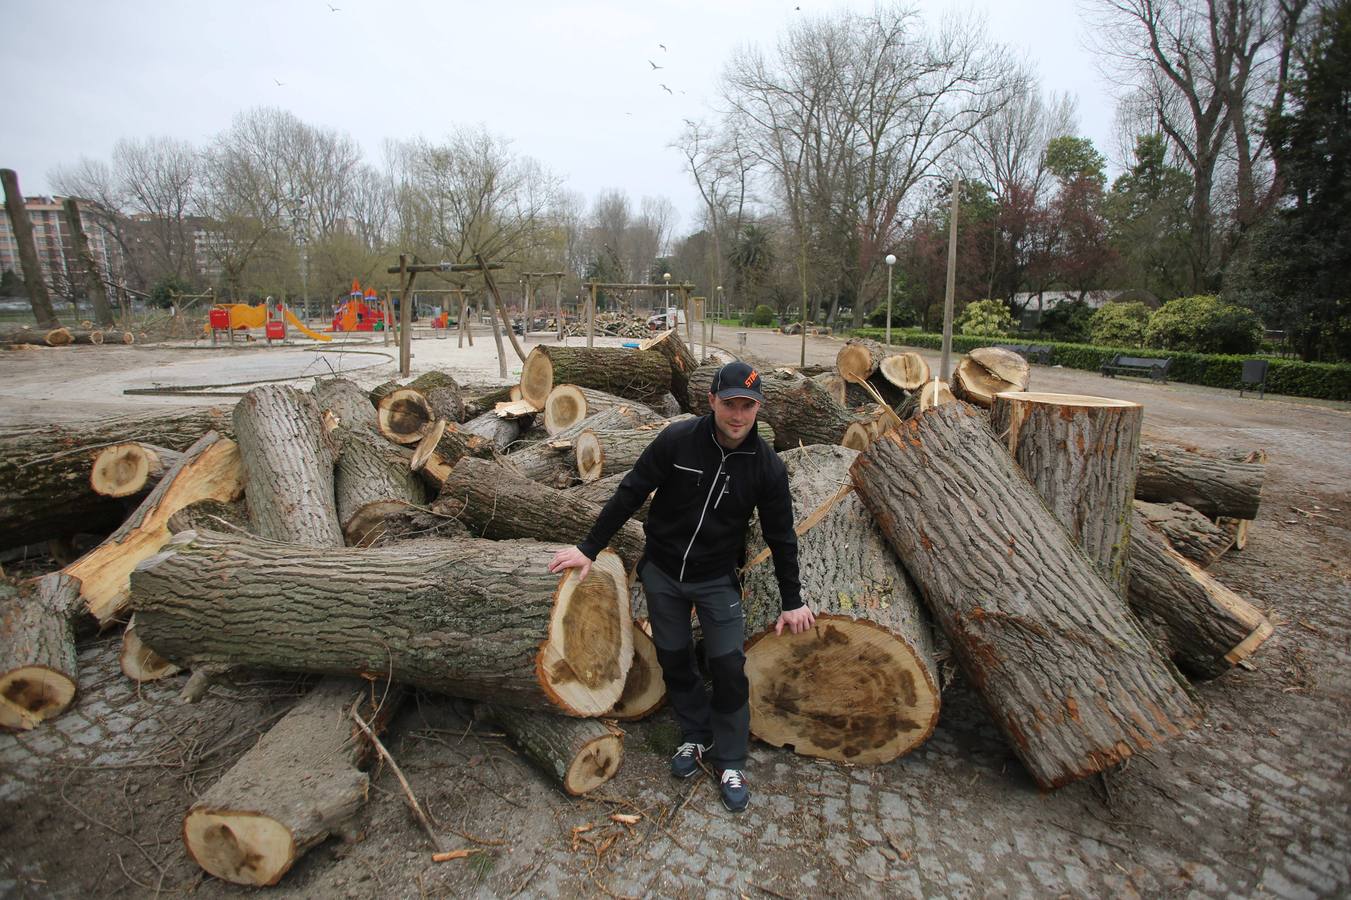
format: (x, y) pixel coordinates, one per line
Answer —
(654, 65)
(667, 90)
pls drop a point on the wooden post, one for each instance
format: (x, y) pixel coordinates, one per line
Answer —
(28, 252)
(495, 297)
(591, 318)
(98, 294)
(527, 297)
(388, 310)
(405, 318)
(558, 304)
(945, 367)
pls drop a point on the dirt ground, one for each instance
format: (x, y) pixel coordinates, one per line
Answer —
(1255, 802)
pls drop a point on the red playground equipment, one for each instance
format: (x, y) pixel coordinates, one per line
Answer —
(361, 312)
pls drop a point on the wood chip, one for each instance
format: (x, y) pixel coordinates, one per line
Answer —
(625, 818)
(455, 854)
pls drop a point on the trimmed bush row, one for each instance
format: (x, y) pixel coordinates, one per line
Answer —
(1291, 377)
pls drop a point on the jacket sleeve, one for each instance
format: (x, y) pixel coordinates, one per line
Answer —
(646, 475)
(776, 523)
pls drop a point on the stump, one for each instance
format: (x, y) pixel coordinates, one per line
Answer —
(124, 470)
(862, 686)
(579, 754)
(1063, 667)
(1080, 454)
(642, 375)
(1188, 532)
(37, 651)
(477, 619)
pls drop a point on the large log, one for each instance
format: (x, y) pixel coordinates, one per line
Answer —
(288, 457)
(210, 470)
(569, 404)
(37, 650)
(499, 432)
(601, 491)
(645, 688)
(1080, 453)
(1206, 627)
(988, 371)
(1188, 532)
(642, 375)
(404, 415)
(862, 686)
(601, 453)
(579, 754)
(494, 502)
(1212, 485)
(38, 337)
(138, 662)
(796, 407)
(1064, 668)
(681, 361)
(474, 618)
(554, 462)
(44, 471)
(907, 371)
(859, 358)
(297, 785)
(123, 470)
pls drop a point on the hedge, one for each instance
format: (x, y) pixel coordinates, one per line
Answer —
(1291, 377)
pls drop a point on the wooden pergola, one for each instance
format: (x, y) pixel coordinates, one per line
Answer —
(682, 292)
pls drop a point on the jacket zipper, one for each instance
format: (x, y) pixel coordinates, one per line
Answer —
(704, 512)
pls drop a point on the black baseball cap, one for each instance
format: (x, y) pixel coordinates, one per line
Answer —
(737, 379)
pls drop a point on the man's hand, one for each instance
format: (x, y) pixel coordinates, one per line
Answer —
(571, 558)
(798, 620)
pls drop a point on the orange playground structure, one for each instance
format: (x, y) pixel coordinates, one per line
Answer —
(361, 312)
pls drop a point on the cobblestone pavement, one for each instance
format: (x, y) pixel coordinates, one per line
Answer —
(1256, 802)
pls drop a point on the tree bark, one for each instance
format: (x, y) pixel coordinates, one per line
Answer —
(296, 786)
(22, 227)
(211, 469)
(98, 294)
(288, 457)
(796, 407)
(486, 403)
(569, 404)
(494, 502)
(859, 358)
(601, 453)
(681, 361)
(1206, 627)
(54, 336)
(124, 470)
(1188, 532)
(862, 686)
(600, 492)
(477, 619)
(37, 650)
(1211, 485)
(1065, 670)
(642, 375)
(499, 432)
(1080, 454)
(554, 462)
(578, 754)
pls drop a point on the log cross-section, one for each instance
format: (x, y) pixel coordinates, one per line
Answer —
(37, 650)
(1071, 680)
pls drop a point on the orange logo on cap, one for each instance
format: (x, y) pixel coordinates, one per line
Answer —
(750, 380)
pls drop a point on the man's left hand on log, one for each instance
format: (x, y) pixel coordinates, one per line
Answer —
(795, 620)
(571, 558)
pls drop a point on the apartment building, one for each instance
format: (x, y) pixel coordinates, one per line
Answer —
(56, 245)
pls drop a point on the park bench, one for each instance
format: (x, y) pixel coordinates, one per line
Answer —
(1137, 365)
(1033, 353)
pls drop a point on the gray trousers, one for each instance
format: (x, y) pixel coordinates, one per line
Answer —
(724, 720)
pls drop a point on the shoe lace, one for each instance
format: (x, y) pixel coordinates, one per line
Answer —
(732, 778)
(687, 750)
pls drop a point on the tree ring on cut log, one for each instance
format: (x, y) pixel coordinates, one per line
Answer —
(1065, 402)
(907, 371)
(857, 436)
(848, 690)
(590, 457)
(239, 846)
(976, 384)
(644, 689)
(368, 524)
(595, 765)
(404, 415)
(855, 362)
(537, 378)
(565, 406)
(122, 470)
(32, 694)
(586, 659)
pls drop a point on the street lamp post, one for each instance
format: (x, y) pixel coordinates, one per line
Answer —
(719, 313)
(666, 277)
(891, 264)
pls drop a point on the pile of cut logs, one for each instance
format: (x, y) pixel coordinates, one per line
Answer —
(612, 325)
(399, 538)
(20, 338)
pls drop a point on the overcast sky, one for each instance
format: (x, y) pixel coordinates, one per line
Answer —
(570, 83)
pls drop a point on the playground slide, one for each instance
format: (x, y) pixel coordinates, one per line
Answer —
(300, 326)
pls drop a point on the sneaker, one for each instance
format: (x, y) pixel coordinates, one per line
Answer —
(732, 785)
(686, 760)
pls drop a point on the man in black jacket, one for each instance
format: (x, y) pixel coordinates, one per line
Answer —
(709, 474)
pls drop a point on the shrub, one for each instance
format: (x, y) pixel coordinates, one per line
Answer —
(986, 317)
(763, 315)
(902, 316)
(1119, 324)
(1204, 324)
(1067, 321)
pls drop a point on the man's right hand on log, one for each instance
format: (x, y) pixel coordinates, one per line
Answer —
(571, 558)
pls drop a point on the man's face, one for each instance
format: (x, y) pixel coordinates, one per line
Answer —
(734, 417)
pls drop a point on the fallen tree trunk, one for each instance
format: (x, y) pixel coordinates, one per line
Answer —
(642, 375)
(1211, 485)
(210, 470)
(601, 491)
(579, 754)
(569, 404)
(796, 407)
(554, 462)
(477, 619)
(862, 686)
(39, 337)
(404, 415)
(132, 468)
(859, 358)
(1063, 667)
(444, 445)
(44, 471)
(1206, 627)
(37, 651)
(495, 502)
(295, 787)
(1188, 532)
(288, 457)
(681, 361)
(601, 453)
(1080, 454)
(494, 429)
